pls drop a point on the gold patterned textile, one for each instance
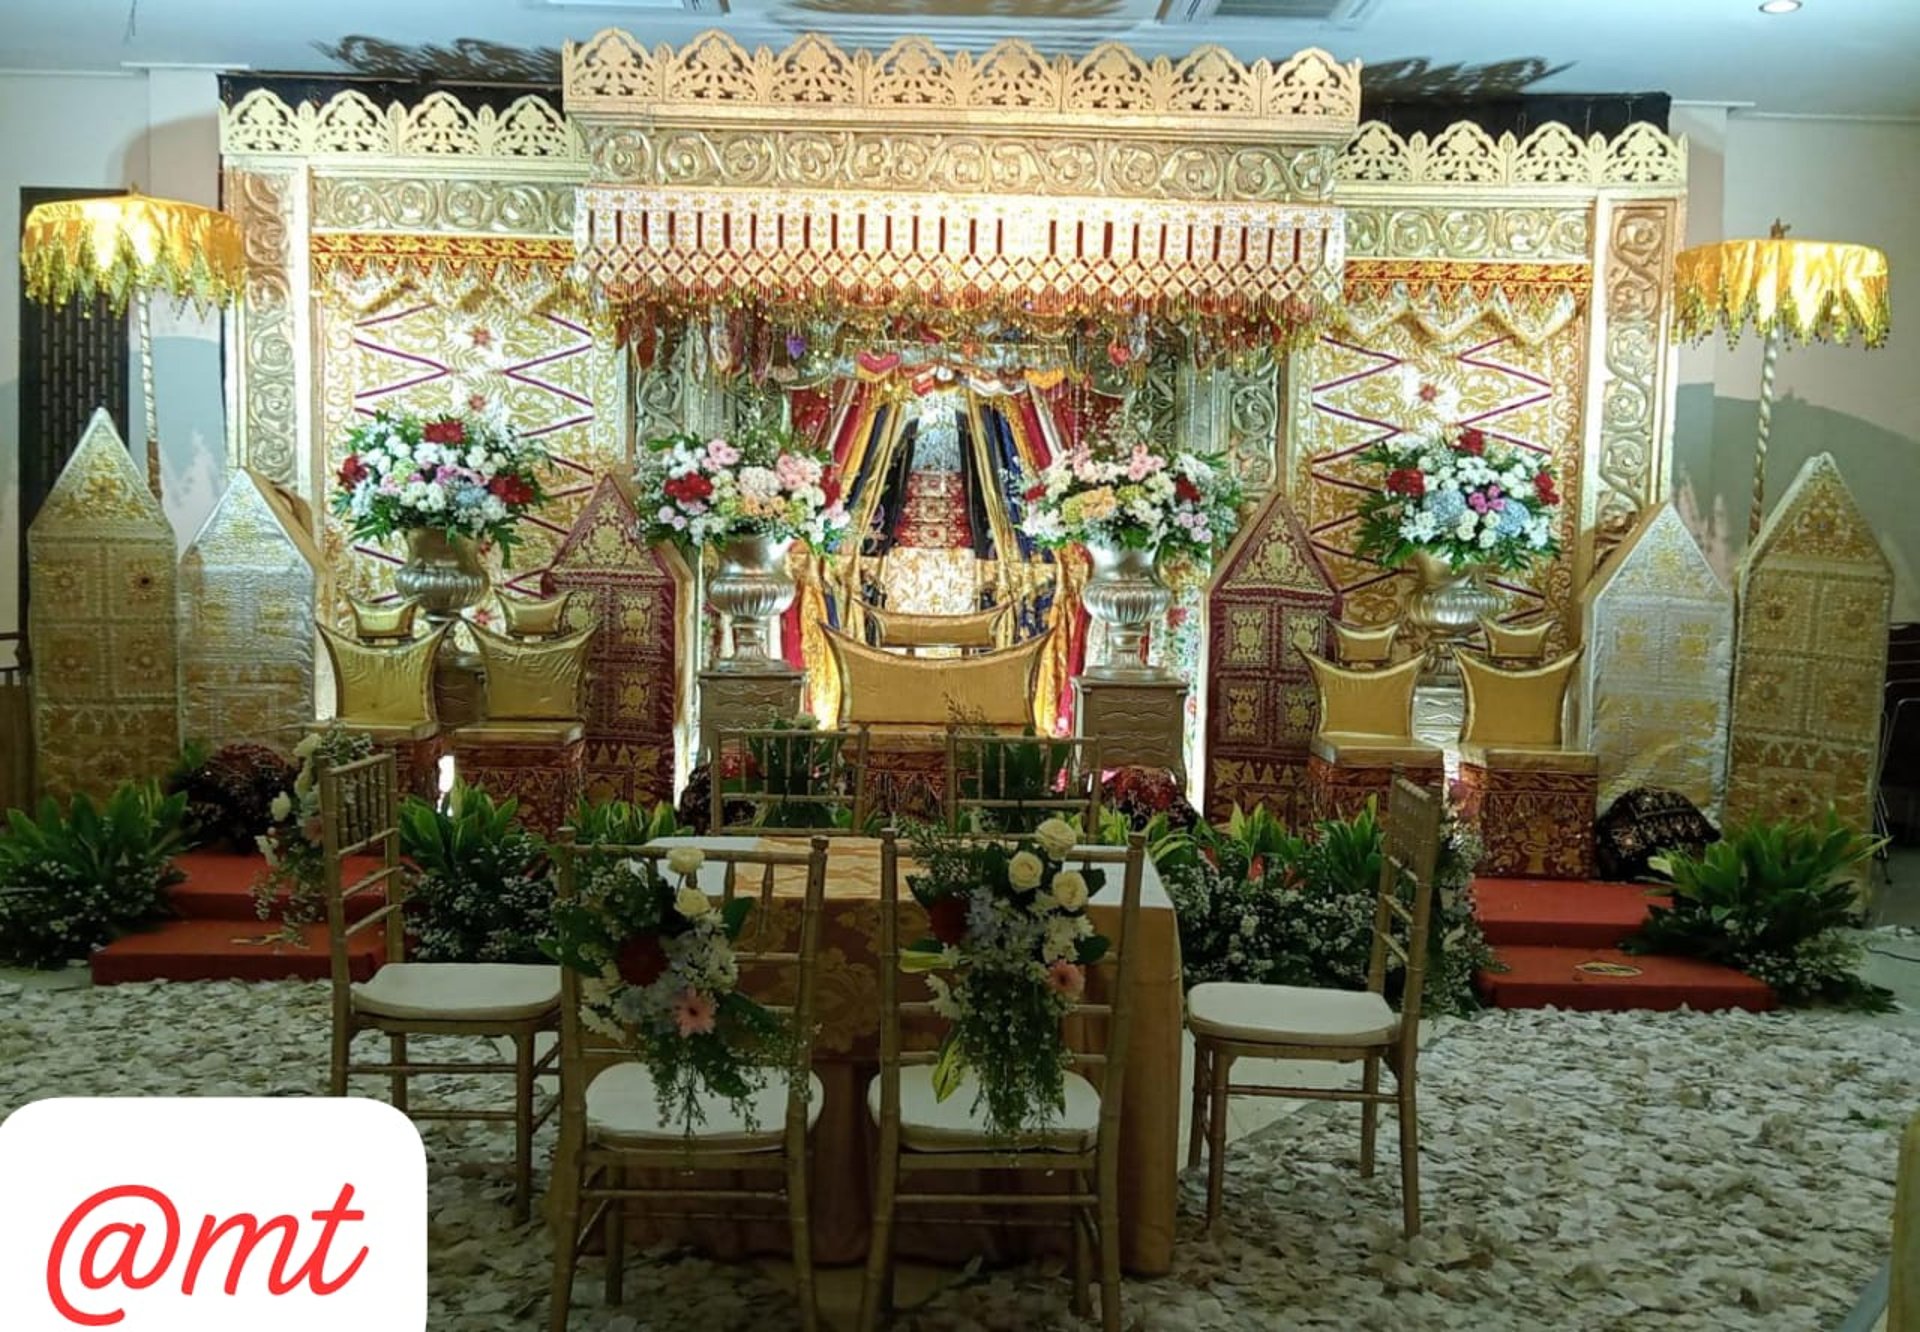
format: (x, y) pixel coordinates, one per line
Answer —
(886, 688)
(120, 244)
(1348, 749)
(246, 625)
(1803, 290)
(1444, 298)
(385, 622)
(534, 681)
(1515, 708)
(383, 687)
(979, 629)
(1653, 691)
(1378, 703)
(374, 270)
(1354, 647)
(1810, 657)
(1533, 810)
(525, 617)
(101, 575)
(846, 1058)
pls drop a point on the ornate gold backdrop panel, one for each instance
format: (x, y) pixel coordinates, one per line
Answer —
(555, 381)
(100, 569)
(1653, 690)
(1357, 391)
(1811, 658)
(246, 618)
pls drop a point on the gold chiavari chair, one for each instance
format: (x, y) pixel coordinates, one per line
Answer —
(610, 1113)
(1232, 1021)
(1013, 783)
(796, 780)
(923, 1136)
(482, 1000)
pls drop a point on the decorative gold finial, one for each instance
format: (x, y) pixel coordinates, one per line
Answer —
(1780, 229)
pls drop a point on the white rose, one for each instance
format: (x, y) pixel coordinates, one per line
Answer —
(1070, 889)
(685, 860)
(691, 903)
(281, 807)
(1025, 870)
(1057, 837)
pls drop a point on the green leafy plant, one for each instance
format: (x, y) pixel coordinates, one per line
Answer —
(1033, 769)
(483, 889)
(76, 877)
(1774, 900)
(617, 823)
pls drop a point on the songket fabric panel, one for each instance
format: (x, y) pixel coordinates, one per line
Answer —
(1810, 658)
(1270, 602)
(246, 619)
(101, 576)
(1653, 704)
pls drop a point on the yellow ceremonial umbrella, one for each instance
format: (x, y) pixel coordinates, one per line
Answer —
(1799, 289)
(129, 246)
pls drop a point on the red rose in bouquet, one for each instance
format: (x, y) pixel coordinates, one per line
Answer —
(352, 471)
(511, 489)
(947, 920)
(642, 960)
(689, 489)
(1406, 481)
(830, 486)
(1034, 494)
(1543, 488)
(1185, 491)
(1472, 441)
(447, 431)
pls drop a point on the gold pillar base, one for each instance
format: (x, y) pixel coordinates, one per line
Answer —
(740, 700)
(1139, 723)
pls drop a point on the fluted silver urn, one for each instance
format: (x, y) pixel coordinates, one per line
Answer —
(751, 588)
(443, 574)
(1446, 608)
(1126, 595)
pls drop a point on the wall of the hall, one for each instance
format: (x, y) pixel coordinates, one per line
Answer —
(1830, 180)
(158, 131)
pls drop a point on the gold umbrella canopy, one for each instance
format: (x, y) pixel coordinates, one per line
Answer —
(125, 247)
(1798, 290)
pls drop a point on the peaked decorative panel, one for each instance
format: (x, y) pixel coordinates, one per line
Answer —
(1270, 600)
(1658, 624)
(1811, 657)
(247, 586)
(101, 567)
(635, 594)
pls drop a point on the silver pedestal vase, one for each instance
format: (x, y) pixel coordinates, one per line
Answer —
(1126, 595)
(750, 589)
(1446, 608)
(443, 574)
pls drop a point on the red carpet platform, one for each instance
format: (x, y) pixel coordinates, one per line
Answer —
(221, 937)
(1559, 941)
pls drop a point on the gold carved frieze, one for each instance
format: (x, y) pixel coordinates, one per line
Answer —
(373, 271)
(1527, 233)
(1550, 159)
(271, 208)
(529, 138)
(442, 204)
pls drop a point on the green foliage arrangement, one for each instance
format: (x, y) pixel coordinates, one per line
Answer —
(482, 890)
(1775, 900)
(1035, 769)
(76, 877)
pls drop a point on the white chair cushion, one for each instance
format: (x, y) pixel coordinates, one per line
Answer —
(1290, 1014)
(459, 991)
(623, 1106)
(929, 1124)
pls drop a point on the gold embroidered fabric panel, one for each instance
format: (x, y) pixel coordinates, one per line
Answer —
(246, 626)
(1658, 625)
(100, 569)
(1810, 658)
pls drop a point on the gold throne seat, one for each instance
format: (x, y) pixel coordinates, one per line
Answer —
(895, 694)
(907, 629)
(1530, 796)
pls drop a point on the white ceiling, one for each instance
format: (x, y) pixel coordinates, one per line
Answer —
(1835, 57)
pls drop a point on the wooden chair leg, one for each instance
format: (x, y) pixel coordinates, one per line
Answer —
(876, 1295)
(1109, 1191)
(1197, 1120)
(614, 1232)
(337, 1064)
(522, 1127)
(1369, 1114)
(1082, 1258)
(1222, 1064)
(800, 1218)
(397, 1055)
(1409, 1155)
(563, 1207)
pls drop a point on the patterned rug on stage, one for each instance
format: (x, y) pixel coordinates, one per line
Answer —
(1643, 1170)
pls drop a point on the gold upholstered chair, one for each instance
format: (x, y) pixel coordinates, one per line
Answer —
(976, 631)
(1530, 796)
(1232, 1020)
(1365, 734)
(386, 692)
(531, 741)
(482, 1001)
(1516, 646)
(1364, 649)
(527, 617)
(391, 622)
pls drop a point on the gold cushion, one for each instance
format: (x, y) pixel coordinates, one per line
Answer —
(376, 624)
(1377, 702)
(382, 686)
(544, 734)
(1353, 646)
(1353, 749)
(1519, 707)
(526, 618)
(1510, 643)
(901, 629)
(1530, 758)
(877, 686)
(534, 681)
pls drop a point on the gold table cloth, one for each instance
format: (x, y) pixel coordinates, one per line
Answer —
(846, 1057)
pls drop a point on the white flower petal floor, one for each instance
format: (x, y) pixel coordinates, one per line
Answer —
(1581, 1171)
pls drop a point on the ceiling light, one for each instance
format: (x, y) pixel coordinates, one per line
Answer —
(1779, 6)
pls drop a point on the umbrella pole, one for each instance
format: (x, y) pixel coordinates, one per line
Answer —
(1769, 361)
(143, 320)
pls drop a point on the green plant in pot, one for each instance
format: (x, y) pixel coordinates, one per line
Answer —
(483, 888)
(1775, 900)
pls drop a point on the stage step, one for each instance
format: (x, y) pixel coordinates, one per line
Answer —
(190, 950)
(1566, 977)
(220, 887)
(1549, 912)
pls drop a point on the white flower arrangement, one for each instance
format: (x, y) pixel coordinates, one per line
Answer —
(763, 483)
(1462, 496)
(1127, 490)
